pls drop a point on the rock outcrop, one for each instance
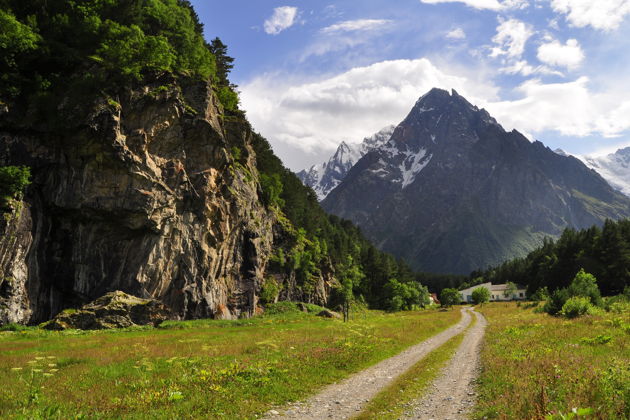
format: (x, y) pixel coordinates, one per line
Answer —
(155, 193)
(113, 310)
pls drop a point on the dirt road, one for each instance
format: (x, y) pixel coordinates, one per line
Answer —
(452, 394)
(347, 398)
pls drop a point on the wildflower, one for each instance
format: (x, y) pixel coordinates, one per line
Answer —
(53, 370)
(51, 357)
(39, 358)
(48, 375)
(30, 362)
(16, 369)
(37, 370)
(52, 364)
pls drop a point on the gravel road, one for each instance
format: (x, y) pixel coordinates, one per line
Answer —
(452, 394)
(347, 398)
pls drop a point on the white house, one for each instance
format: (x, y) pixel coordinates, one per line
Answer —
(497, 292)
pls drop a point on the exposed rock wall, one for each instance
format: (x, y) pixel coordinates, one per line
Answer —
(154, 194)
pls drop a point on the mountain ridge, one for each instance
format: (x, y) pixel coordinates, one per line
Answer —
(452, 190)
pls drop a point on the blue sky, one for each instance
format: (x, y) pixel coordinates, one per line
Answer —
(314, 73)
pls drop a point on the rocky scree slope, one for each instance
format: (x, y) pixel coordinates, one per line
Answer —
(452, 191)
(154, 193)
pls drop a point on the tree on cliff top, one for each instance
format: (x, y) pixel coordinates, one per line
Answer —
(50, 46)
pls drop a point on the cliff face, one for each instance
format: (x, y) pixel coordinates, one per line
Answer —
(155, 194)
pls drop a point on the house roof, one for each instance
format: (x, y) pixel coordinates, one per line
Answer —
(503, 287)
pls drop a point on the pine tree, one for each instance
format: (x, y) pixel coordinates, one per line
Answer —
(224, 61)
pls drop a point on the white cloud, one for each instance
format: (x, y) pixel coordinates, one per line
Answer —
(524, 68)
(356, 25)
(569, 55)
(485, 4)
(616, 121)
(599, 14)
(511, 37)
(457, 33)
(302, 118)
(563, 107)
(282, 18)
(569, 108)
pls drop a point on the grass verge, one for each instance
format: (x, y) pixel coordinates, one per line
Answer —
(393, 401)
(536, 366)
(196, 369)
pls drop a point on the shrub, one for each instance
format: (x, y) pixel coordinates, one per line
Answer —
(540, 294)
(556, 301)
(269, 292)
(13, 327)
(449, 297)
(585, 285)
(576, 306)
(480, 295)
(14, 180)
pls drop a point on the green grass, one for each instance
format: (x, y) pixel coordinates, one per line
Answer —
(536, 366)
(393, 401)
(196, 369)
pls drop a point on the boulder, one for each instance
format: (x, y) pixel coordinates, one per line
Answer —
(326, 313)
(113, 310)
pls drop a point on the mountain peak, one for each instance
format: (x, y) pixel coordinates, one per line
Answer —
(440, 97)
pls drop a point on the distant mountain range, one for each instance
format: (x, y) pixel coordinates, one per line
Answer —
(614, 167)
(450, 190)
(323, 178)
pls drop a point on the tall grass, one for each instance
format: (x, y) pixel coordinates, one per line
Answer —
(536, 366)
(197, 369)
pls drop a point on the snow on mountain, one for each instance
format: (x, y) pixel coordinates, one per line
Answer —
(324, 177)
(614, 168)
(452, 191)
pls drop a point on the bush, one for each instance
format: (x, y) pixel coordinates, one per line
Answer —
(283, 307)
(449, 297)
(585, 285)
(14, 180)
(557, 300)
(576, 306)
(13, 327)
(480, 295)
(269, 292)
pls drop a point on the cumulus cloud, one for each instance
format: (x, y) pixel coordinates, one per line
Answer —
(605, 15)
(306, 121)
(356, 25)
(564, 107)
(283, 18)
(486, 4)
(457, 33)
(569, 55)
(511, 37)
(570, 108)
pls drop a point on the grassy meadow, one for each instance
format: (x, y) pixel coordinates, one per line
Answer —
(536, 366)
(196, 369)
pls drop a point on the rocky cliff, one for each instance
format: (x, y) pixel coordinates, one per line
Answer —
(452, 191)
(155, 193)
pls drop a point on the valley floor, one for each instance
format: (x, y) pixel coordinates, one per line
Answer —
(416, 365)
(197, 369)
